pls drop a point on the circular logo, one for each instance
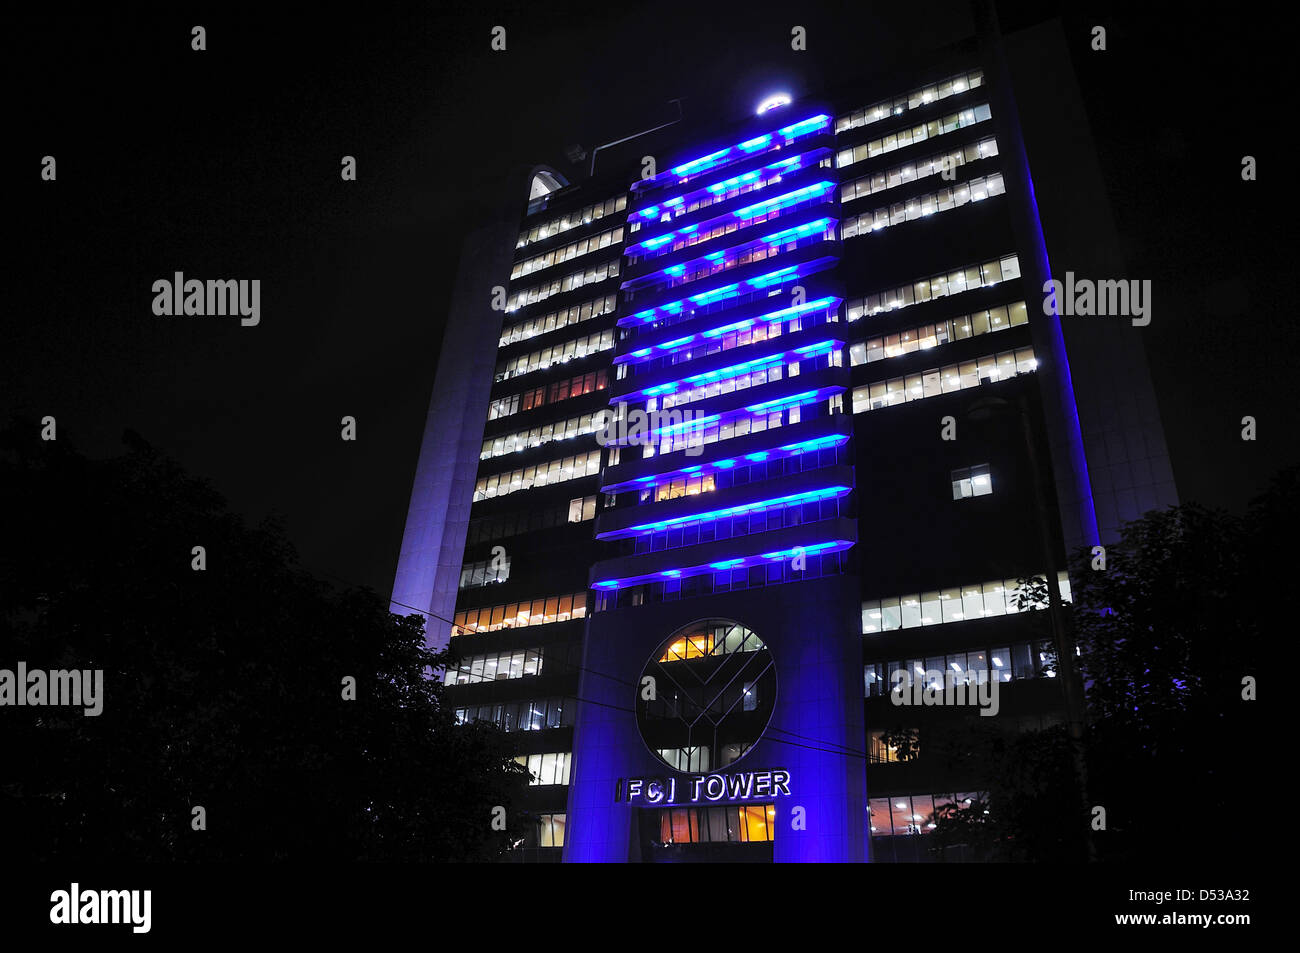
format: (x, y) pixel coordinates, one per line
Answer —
(706, 695)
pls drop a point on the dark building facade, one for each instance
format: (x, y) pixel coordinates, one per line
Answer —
(724, 445)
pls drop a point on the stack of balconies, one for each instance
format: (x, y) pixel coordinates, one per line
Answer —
(772, 196)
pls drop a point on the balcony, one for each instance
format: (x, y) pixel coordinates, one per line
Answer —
(808, 185)
(617, 523)
(829, 535)
(646, 472)
(780, 269)
(757, 354)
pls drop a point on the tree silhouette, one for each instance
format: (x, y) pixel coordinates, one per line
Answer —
(1169, 633)
(224, 688)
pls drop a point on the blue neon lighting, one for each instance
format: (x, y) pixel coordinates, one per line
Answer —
(804, 127)
(733, 290)
(734, 326)
(778, 453)
(793, 234)
(685, 425)
(750, 146)
(704, 297)
(767, 407)
(780, 167)
(760, 208)
(775, 277)
(699, 165)
(794, 551)
(723, 373)
(799, 231)
(809, 496)
(793, 399)
(736, 562)
(735, 181)
(785, 314)
(781, 201)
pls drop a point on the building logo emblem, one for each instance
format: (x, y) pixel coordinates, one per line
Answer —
(706, 696)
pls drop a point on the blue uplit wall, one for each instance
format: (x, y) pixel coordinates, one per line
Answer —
(433, 541)
(810, 625)
(810, 628)
(1119, 426)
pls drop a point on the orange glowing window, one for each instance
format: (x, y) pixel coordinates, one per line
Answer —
(692, 646)
(757, 822)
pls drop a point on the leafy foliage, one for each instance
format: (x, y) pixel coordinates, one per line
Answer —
(1167, 633)
(223, 688)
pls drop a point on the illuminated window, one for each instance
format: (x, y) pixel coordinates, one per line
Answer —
(953, 282)
(551, 768)
(912, 135)
(921, 96)
(515, 615)
(977, 601)
(535, 714)
(912, 814)
(556, 354)
(882, 753)
(546, 831)
(972, 481)
(567, 252)
(749, 823)
(923, 206)
(943, 380)
(563, 223)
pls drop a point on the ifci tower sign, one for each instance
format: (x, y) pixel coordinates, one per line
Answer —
(704, 787)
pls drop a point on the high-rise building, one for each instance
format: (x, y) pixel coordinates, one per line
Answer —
(725, 444)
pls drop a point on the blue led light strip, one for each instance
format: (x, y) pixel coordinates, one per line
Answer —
(735, 370)
(742, 150)
(723, 292)
(642, 529)
(739, 562)
(669, 347)
(704, 469)
(752, 211)
(772, 172)
(702, 422)
(782, 237)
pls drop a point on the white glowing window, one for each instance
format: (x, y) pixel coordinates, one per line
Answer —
(971, 481)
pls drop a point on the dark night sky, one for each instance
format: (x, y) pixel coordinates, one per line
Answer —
(226, 164)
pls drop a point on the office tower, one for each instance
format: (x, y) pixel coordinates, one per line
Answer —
(722, 444)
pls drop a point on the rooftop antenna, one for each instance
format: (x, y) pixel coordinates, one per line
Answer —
(635, 135)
